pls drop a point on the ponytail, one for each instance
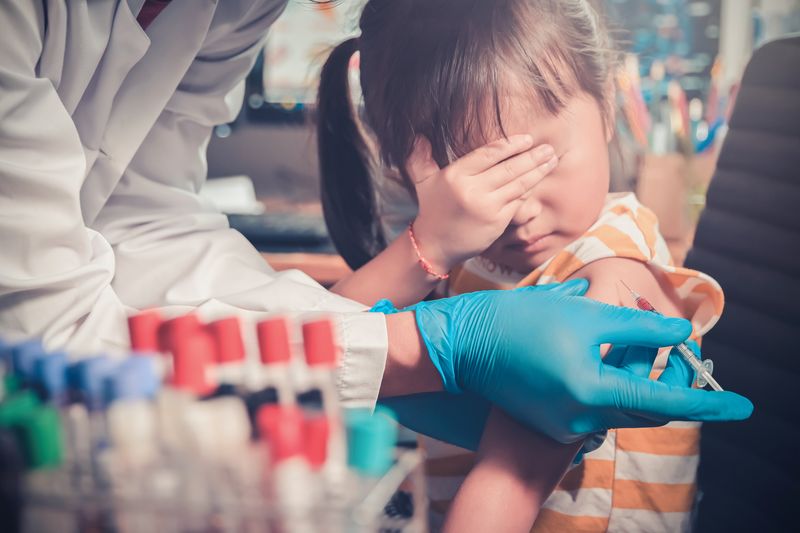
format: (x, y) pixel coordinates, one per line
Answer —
(348, 200)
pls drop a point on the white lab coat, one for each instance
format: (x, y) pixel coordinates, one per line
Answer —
(103, 130)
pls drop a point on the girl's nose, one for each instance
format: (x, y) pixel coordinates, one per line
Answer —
(530, 208)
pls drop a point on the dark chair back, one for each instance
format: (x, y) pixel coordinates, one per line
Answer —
(748, 238)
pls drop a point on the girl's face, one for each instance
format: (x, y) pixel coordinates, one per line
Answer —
(566, 202)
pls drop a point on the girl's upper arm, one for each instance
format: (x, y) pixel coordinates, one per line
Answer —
(605, 278)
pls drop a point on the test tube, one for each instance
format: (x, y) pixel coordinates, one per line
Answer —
(12, 470)
(321, 355)
(219, 430)
(230, 351)
(88, 378)
(371, 439)
(291, 482)
(50, 373)
(140, 477)
(276, 356)
(37, 431)
(144, 330)
(23, 357)
(193, 355)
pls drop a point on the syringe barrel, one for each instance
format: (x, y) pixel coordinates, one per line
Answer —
(690, 357)
(697, 365)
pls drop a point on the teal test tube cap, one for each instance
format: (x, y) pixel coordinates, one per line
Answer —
(42, 440)
(37, 427)
(371, 439)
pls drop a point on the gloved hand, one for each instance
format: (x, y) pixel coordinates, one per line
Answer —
(638, 361)
(536, 354)
(457, 419)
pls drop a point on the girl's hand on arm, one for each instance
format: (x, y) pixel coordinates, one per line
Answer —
(463, 208)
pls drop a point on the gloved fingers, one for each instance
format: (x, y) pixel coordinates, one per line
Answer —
(638, 360)
(384, 306)
(573, 287)
(678, 371)
(457, 419)
(622, 325)
(663, 402)
(625, 420)
(615, 356)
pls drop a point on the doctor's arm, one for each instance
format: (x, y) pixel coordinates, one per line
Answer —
(55, 273)
(174, 251)
(72, 283)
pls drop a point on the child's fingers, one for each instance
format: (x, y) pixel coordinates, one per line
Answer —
(515, 166)
(519, 187)
(485, 157)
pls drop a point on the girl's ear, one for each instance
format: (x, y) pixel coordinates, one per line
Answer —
(420, 164)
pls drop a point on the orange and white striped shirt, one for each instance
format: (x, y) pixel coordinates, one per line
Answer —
(638, 479)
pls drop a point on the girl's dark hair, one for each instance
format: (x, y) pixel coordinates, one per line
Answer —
(440, 69)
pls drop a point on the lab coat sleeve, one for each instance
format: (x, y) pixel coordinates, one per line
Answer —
(172, 250)
(55, 274)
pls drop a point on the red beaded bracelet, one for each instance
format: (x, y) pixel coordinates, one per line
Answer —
(426, 266)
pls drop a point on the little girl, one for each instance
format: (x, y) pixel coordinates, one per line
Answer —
(439, 79)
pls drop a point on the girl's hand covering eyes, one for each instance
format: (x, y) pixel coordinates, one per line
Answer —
(466, 206)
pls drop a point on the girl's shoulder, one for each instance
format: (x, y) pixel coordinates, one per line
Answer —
(626, 245)
(606, 277)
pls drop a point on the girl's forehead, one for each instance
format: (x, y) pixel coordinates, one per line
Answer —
(520, 113)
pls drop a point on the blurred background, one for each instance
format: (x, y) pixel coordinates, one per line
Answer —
(676, 85)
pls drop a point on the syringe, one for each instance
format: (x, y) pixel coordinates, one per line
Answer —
(703, 367)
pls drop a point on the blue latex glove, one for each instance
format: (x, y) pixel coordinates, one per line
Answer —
(536, 354)
(639, 361)
(457, 419)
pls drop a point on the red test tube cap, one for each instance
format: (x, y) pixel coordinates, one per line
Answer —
(317, 431)
(227, 334)
(192, 355)
(176, 329)
(318, 344)
(283, 428)
(143, 328)
(273, 341)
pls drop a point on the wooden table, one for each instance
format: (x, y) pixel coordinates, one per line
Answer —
(326, 269)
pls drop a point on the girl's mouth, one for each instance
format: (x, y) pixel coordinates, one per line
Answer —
(531, 244)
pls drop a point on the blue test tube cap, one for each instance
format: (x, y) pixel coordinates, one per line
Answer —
(371, 440)
(133, 379)
(23, 357)
(50, 373)
(89, 376)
